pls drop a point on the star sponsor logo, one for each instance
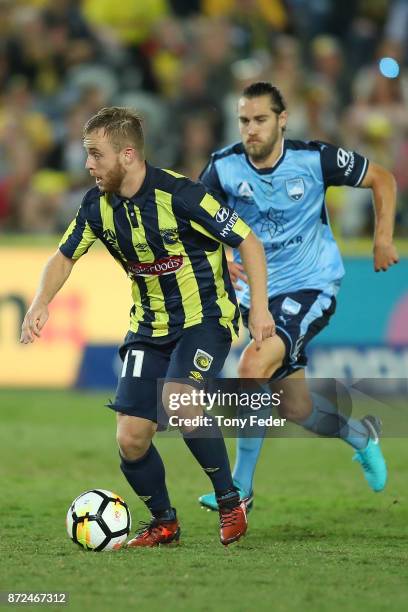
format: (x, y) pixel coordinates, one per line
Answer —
(291, 242)
(273, 222)
(202, 360)
(222, 214)
(159, 267)
(295, 188)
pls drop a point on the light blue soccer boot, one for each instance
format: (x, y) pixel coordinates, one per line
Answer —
(371, 457)
(209, 501)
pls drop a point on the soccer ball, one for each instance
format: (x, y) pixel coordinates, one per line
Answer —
(98, 520)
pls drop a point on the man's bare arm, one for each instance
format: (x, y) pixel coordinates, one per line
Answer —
(383, 184)
(55, 273)
(261, 323)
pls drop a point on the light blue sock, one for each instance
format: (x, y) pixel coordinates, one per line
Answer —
(247, 453)
(248, 450)
(326, 420)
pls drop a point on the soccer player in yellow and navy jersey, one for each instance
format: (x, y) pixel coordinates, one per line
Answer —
(167, 234)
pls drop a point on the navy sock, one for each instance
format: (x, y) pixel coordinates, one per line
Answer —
(208, 447)
(146, 476)
(326, 420)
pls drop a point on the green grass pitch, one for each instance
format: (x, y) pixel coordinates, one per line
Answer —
(318, 538)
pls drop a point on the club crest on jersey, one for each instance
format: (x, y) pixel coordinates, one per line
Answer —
(295, 189)
(170, 236)
(245, 191)
(202, 360)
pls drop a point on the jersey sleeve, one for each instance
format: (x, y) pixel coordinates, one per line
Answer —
(211, 181)
(341, 167)
(79, 236)
(211, 218)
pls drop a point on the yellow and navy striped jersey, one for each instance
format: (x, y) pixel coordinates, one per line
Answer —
(168, 238)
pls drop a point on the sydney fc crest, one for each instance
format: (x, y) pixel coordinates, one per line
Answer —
(295, 189)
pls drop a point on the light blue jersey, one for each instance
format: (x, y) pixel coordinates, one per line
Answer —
(285, 207)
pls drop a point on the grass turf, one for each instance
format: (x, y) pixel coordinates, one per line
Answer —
(318, 538)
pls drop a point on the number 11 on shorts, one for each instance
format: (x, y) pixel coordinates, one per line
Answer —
(137, 366)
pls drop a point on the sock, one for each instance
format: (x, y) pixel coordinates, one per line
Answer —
(229, 500)
(146, 476)
(208, 447)
(249, 444)
(326, 420)
(247, 454)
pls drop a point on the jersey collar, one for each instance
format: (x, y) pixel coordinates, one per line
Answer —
(139, 198)
(275, 165)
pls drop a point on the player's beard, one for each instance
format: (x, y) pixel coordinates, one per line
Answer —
(113, 179)
(259, 151)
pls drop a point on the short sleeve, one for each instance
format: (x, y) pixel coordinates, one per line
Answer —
(79, 236)
(211, 181)
(211, 218)
(341, 167)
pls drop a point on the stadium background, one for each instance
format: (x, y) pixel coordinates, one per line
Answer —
(182, 65)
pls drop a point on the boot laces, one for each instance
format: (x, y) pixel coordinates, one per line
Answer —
(229, 516)
(146, 528)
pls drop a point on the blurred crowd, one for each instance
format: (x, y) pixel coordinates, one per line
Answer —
(182, 64)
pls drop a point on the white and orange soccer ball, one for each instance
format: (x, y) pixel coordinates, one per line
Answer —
(98, 520)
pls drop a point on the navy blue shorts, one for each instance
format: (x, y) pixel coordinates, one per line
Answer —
(299, 317)
(199, 352)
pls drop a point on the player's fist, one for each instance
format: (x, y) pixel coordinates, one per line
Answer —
(33, 323)
(385, 255)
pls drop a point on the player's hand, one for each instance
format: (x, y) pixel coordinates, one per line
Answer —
(33, 323)
(385, 255)
(236, 272)
(261, 325)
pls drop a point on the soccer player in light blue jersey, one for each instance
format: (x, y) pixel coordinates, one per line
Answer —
(278, 187)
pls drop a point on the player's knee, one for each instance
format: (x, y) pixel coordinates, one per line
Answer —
(132, 448)
(252, 368)
(134, 442)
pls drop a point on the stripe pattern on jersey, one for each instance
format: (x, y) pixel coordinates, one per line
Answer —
(168, 238)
